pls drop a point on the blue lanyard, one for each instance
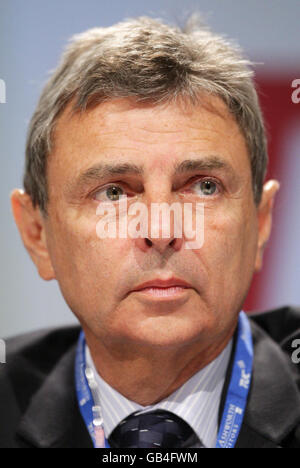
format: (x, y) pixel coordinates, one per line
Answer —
(84, 395)
(236, 398)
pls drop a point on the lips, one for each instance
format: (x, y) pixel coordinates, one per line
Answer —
(161, 283)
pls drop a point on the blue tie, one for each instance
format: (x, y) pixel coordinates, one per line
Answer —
(155, 429)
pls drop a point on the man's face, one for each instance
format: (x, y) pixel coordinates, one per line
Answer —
(97, 276)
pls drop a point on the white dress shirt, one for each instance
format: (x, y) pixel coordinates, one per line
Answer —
(196, 401)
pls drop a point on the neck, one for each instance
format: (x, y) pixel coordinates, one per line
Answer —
(147, 375)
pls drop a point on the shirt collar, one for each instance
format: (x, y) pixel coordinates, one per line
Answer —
(196, 401)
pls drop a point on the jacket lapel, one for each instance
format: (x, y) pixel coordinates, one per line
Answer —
(53, 418)
(273, 408)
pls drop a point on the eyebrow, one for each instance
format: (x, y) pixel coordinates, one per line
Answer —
(204, 164)
(102, 171)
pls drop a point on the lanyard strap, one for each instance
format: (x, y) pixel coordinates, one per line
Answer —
(236, 399)
(235, 403)
(85, 398)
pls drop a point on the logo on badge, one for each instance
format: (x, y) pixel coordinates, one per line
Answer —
(244, 379)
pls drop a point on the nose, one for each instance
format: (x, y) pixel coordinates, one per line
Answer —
(161, 245)
(164, 227)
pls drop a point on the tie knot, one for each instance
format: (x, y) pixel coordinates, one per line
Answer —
(153, 429)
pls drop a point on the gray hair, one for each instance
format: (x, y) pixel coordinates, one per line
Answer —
(148, 61)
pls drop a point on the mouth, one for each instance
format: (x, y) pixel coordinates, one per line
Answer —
(159, 289)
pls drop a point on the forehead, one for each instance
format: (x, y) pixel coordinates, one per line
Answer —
(150, 136)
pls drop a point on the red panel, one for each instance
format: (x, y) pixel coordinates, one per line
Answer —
(275, 97)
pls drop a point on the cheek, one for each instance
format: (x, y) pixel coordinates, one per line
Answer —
(86, 267)
(229, 250)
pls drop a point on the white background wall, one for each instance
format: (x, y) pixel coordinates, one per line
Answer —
(32, 35)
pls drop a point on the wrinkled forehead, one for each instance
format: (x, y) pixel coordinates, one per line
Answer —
(148, 137)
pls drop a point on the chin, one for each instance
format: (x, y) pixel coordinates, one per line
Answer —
(165, 332)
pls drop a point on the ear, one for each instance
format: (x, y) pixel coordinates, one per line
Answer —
(31, 225)
(264, 218)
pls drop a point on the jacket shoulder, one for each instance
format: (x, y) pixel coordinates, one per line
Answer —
(40, 349)
(273, 415)
(282, 324)
(29, 359)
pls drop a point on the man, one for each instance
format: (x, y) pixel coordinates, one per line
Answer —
(145, 113)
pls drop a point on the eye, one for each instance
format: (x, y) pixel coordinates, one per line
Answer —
(207, 186)
(111, 193)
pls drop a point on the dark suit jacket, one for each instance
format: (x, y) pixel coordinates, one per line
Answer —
(38, 406)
